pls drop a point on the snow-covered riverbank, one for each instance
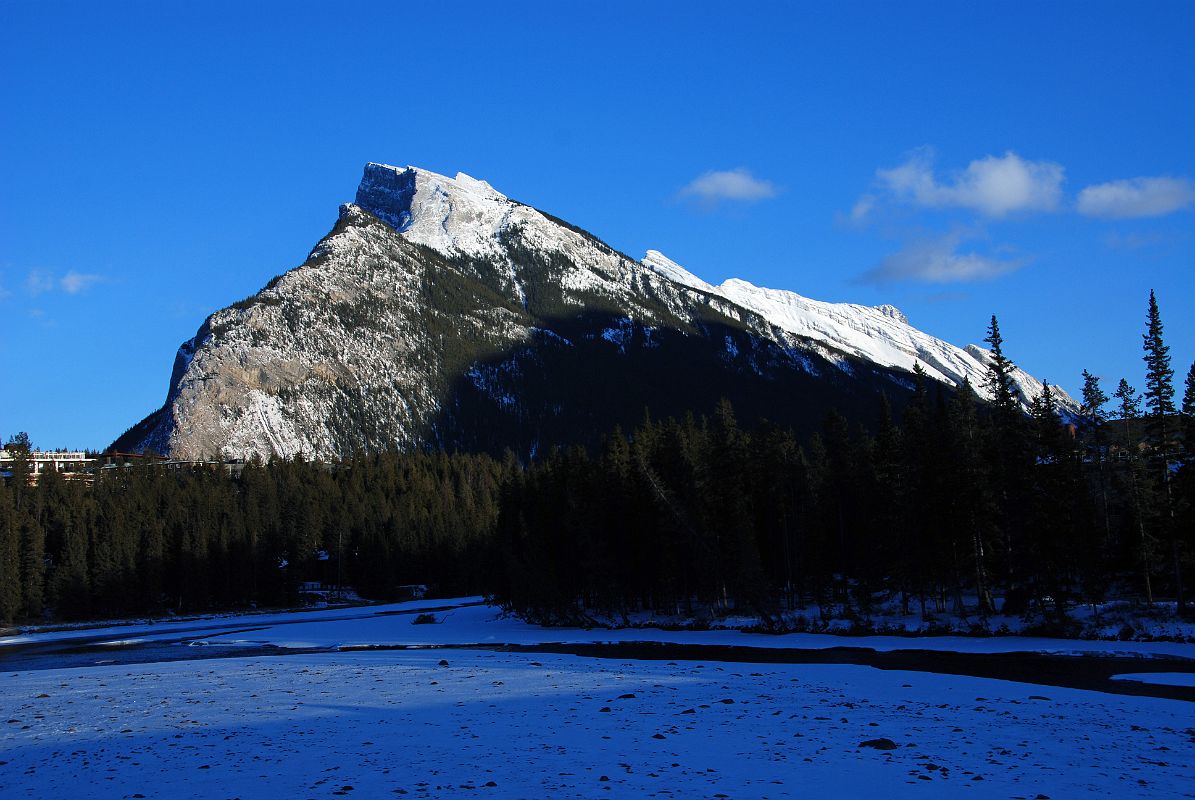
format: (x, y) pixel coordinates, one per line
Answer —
(450, 722)
(469, 621)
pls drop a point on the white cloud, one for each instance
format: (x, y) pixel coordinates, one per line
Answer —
(733, 184)
(993, 185)
(862, 208)
(75, 282)
(937, 260)
(40, 281)
(1136, 197)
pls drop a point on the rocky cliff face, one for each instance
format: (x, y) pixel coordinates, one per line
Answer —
(440, 312)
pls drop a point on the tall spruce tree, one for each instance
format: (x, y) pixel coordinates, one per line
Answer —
(1159, 405)
(1128, 411)
(1159, 380)
(31, 537)
(1185, 484)
(1060, 545)
(728, 510)
(1186, 476)
(890, 500)
(1128, 406)
(19, 447)
(1010, 462)
(971, 492)
(1094, 400)
(1189, 417)
(1094, 418)
(10, 558)
(999, 382)
(914, 568)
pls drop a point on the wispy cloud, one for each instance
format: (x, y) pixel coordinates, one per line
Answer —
(74, 282)
(40, 316)
(1136, 197)
(39, 282)
(735, 185)
(1136, 240)
(938, 260)
(995, 186)
(863, 208)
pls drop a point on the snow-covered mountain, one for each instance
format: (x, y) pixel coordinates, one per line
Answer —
(439, 311)
(880, 334)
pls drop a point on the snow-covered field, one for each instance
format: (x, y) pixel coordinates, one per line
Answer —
(469, 621)
(456, 723)
(218, 622)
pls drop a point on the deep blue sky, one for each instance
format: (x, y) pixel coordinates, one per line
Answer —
(159, 161)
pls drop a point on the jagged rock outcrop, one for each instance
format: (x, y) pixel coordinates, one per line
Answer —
(440, 312)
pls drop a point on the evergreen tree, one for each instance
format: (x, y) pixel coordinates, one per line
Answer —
(1189, 416)
(1009, 462)
(1128, 413)
(1094, 419)
(1159, 404)
(1159, 380)
(838, 495)
(71, 589)
(999, 382)
(971, 489)
(30, 534)
(19, 447)
(818, 543)
(1094, 400)
(890, 511)
(915, 567)
(1062, 524)
(775, 486)
(1185, 483)
(1128, 404)
(727, 509)
(10, 558)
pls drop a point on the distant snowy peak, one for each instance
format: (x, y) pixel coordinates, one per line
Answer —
(892, 311)
(450, 215)
(663, 265)
(464, 216)
(880, 334)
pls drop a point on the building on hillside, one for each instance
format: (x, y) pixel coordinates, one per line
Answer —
(68, 462)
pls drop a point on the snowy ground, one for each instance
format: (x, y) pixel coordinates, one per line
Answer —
(160, 629)
(400, 722)
(469, 621)
(1123, 620)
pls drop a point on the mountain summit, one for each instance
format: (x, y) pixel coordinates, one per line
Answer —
(440, 312)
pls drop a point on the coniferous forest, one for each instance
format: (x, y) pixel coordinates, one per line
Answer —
(958, 505)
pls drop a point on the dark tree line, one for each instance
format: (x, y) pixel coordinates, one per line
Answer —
(960, 506)
(149, 539)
